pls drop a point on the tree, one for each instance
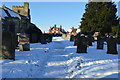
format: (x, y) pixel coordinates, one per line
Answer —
(99, 17)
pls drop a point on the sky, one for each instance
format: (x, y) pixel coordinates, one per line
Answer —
(46, 14)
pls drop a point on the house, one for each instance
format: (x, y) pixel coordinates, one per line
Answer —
(56, 31)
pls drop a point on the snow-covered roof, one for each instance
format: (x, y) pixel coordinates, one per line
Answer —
(12, 13)
(3, 13)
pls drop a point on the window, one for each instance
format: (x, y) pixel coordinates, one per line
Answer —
(18, 11)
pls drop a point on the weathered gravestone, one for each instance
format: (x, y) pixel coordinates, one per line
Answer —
(100, 42)
(111, 46)
(8, 47)
(24, 44)
(72, 38)
(8, 41)
(82, 43)
(43, 39)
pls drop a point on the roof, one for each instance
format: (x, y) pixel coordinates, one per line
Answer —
(6, 12)
(3, 14)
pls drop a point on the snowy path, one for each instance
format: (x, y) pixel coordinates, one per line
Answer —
(60, 60)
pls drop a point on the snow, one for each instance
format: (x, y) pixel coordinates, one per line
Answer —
(59, 59)
(3, 13)
(13, 14)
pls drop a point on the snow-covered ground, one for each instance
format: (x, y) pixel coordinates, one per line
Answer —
(59, 59)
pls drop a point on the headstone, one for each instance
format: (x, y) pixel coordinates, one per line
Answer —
(43, 39)
(72, 38)
(33, 38)
(48, 37)
(100, 42)
(111, 46)
(24, 44)
(7, 45)
(75, 40)
(82, 43)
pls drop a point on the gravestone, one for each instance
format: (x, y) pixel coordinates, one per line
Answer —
(8, 47)
(33, 38)
(43, 39)
(100, 42)
(82, 43)
(75, 40)
(24, 44)
(8, 41)
(72, 38)
(111, 46)
(48, 37)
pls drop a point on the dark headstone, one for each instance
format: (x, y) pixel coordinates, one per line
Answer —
(100, 42)
(8, 46)
(75, 40)
(33, 38)
(82, 43)
(8, 41)
(43, 39)
(72, 38)
(111, 46)
(48, 37)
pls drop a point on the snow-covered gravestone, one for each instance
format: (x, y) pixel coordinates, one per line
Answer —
(111, 46)
(82, 43)
(24, 42)
(100, 42)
